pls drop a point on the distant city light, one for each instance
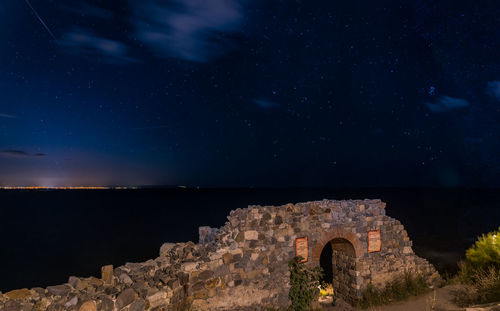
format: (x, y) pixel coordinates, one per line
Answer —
(64, 188)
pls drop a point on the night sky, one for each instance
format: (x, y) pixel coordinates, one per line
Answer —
(250, 93)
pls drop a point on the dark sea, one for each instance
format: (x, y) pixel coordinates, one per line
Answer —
(46, 236)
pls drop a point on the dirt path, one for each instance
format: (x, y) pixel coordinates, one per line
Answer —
(441, 299)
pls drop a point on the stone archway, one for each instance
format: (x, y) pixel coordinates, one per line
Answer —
(337, 252)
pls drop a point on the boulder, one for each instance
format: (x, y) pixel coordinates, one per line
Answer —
(94, 281)
(251, 235)
(59, 290)
(125, 298)
(165, 248)
(72, 280)
(207, 234)
(76, 283)
(17, 306)
(55, 306)
(105, 304)
(72, 302)
(18, 294)
(125, 279)
(138, 305)
(158, 299)
(88, 306)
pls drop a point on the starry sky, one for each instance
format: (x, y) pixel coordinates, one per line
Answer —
(256, 93)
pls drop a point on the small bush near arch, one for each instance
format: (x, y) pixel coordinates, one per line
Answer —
(304, 283)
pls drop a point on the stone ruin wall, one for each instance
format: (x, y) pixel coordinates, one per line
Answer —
(243, 265)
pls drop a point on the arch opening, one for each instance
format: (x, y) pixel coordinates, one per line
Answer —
(338, 261)
(325, 262)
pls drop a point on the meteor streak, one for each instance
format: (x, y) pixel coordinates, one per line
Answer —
(40, 19)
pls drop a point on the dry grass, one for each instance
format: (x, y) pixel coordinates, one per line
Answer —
(430, 303)
(401, 288)
(481, 286)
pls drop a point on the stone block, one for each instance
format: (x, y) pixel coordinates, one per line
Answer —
(251, 235)
(59, 290)
(227, 258)
(158, 299)
(165, 248)
(105, 304)
(18, 294)
(237, 251)
(213, 283)
(125, 279)
(189, 266)
(254, 274)
(197, 286)
(107, 275)
(207, 234)
(125, 298)
(138, 305)
(205, 275)
(73, 281)
(202, 294)
(88, 306)
(72, 302)
(240, 237)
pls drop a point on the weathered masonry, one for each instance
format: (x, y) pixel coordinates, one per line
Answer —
(243, 265)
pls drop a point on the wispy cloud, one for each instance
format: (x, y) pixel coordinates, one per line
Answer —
(11, 153)
(265, 103)
(447, 103)
(83, 42)
(7, 116)
(193, 30)
(493, 89)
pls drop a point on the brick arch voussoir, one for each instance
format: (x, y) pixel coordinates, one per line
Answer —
(336, 233)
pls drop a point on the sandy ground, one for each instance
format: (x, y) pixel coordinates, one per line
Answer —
(439, 300)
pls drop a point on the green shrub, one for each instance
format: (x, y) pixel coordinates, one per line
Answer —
(400, 288)
(304, 282)
(485, 252)
(480, 272)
